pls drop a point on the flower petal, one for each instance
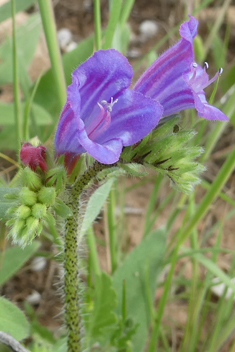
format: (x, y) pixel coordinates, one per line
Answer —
(66, 139)
(132, 118)
(106, 153)
(206, 110)
(212, 113)
(164, 77)
(104, 75)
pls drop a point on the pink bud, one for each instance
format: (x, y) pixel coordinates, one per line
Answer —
(33, 156)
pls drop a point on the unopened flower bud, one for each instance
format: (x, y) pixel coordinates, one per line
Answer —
(31, 179)
(39, 210)
(32, 224)
(27, 197)
(47, 195)
(18, 227)
(23, 212)
(33, 156)
(10, 222)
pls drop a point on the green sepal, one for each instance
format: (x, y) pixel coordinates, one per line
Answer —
(32, 225)
(10, 222)
(57, 178)
(62, 209)
(169, 150)
(133, 169)
(11, 196)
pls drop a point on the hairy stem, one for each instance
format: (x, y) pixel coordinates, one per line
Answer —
(71, 277)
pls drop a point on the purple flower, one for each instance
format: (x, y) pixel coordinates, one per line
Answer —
(176, 81)
(101, 114)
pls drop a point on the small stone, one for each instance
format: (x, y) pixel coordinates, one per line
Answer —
(219, 289)
(87, 5)
(64, 37)
(38, 263)
(148, 29)
(71, 46)
(34, 298)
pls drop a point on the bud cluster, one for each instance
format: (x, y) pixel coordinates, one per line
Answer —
(35, 201)
(169, 150)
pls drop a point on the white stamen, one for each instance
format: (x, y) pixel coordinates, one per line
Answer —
(220, 71)
(194, 64)
(206, 65)
(110, 105)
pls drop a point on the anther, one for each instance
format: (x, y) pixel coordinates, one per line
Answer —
(194, 64)
(220, 71)
(206, 65)
(110, 105)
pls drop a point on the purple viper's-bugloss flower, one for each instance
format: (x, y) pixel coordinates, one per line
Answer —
(102, 114)
(176, 81)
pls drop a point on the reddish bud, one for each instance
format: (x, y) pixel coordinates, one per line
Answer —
(33, 156)
(70, 161)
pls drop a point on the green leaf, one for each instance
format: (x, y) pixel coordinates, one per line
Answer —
(27, 39)
(215, 270)
(14, 258)
(21, 5)
(95, 204)
(45, 95)
(144, 261)
(13, 320)
(5, 204)
(62, 209)
(41, 116)
(102, 315)
(113, 21)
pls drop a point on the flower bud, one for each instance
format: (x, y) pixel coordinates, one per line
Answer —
(18, 227)
(32, 224)
(39, 210)
(27, 197)
(10, 222)
(33, 156)
(47, 195)
(23, 212)
(31, 179)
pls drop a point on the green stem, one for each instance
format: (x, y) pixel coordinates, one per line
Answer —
(16, 78)
(97, 17)
(112, 230)
(49, 27)
(72, 239)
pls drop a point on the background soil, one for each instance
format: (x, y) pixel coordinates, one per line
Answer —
(77, 16)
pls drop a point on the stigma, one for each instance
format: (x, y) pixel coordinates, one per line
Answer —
(110, 105)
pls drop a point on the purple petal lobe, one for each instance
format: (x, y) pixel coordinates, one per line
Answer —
(104, 75)
(188, 30)
(176, 81)
(163, 78)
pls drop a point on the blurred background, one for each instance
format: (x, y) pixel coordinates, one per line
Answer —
(151, 28)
